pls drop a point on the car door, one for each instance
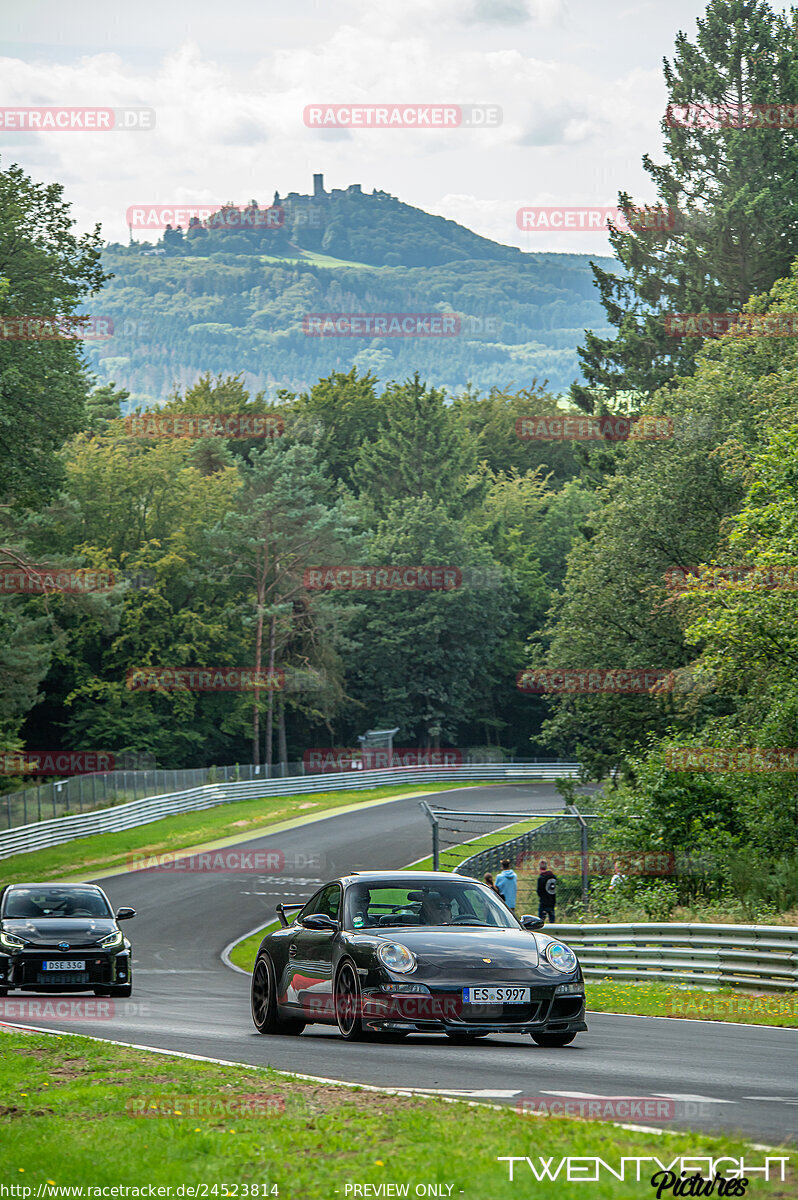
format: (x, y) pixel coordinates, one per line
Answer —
(310, 957)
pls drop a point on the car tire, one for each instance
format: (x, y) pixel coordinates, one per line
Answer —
(463, 1039)
(3, 991)
(553, 1039)
(263, 1001)
(347, 1001)
(123, 991)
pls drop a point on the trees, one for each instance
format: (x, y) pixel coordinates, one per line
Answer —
(731, 192)
(46, 272)
(283, 520)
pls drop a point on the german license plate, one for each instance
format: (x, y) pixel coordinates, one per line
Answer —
(65, 964)
(496, 995)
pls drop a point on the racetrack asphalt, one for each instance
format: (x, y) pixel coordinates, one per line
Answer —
(722, 1078)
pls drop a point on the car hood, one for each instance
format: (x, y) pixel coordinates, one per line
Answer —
(49, 931)
(458, 945)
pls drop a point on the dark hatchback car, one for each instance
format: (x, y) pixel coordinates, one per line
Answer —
(62, 938)
(428, 952)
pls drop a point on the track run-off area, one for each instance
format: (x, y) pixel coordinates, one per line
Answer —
(727, 1078)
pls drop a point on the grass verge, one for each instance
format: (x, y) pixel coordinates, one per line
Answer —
(67, 1121)
(240, 818)
(722, 1004)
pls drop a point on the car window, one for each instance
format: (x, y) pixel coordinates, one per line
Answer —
(327, 900)
(33, 903)
(427, 903)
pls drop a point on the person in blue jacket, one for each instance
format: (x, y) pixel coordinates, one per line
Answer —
(507, 884)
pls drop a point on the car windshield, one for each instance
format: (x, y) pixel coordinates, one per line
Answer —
(376, 905)
(32, 903)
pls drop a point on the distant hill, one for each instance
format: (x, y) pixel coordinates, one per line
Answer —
(218, 297)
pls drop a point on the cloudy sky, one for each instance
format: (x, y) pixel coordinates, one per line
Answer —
(579, 83)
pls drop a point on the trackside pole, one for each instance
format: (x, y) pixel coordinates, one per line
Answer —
(583, 832)
(433, 820)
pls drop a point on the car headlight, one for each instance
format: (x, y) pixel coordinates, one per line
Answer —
(561, 957)
(397, 957)
(112, 940)
(10, 941)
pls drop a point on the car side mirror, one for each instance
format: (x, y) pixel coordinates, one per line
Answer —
(530, 923)
(319, 921)
(124, 914)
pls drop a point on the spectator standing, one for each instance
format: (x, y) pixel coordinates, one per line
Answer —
(490, 883)
(547, 892)
(617, 877)
(507, 884)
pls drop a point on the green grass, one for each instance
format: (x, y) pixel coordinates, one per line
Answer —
(658, 999)
(319, 260)
(244, 952)
(104, 852)
(65, 1119)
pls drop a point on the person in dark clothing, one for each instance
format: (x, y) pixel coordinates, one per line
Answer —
(547, 892)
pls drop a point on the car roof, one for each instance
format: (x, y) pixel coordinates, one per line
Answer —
(404, 877)
(62, 887)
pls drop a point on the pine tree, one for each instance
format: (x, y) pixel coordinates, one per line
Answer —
(730, 193)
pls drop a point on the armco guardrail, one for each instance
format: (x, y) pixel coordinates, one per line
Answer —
(140, 812)
(751, 956)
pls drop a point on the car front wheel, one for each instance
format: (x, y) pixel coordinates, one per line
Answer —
(348, 1003)
(553, 1039)
(264, 1001)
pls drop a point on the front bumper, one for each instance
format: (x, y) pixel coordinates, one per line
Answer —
(101, 969)
(443, 1010)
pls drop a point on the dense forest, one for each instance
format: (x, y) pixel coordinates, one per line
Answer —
(179, 315)
(565, 550)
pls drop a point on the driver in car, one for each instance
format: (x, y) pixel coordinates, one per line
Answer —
(436, 909)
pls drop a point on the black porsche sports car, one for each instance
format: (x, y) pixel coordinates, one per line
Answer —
(428, 952)
(63, 938)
